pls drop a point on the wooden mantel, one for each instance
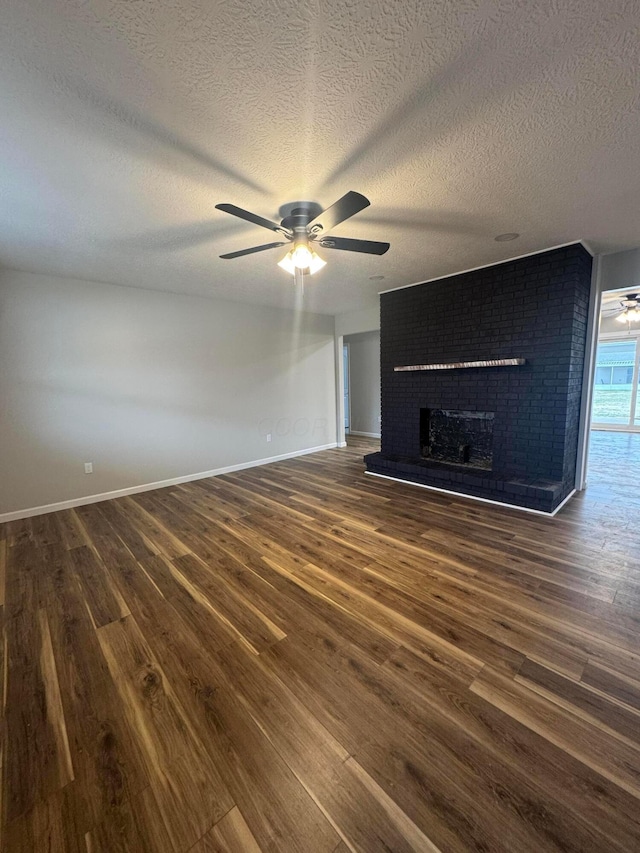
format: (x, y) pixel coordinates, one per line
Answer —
(456, 365)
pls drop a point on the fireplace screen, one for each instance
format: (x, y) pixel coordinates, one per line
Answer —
(457, 437)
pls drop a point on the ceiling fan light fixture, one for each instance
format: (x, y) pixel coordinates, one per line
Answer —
(301, 257)
(287, 264)
(631, 314)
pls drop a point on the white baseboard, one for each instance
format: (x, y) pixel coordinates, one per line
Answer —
(365, 434)
(147, 487)
(342, 444)
(473, 497)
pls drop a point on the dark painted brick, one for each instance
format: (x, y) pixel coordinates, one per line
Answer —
(534, 308)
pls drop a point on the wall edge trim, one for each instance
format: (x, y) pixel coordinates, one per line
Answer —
(29, 512)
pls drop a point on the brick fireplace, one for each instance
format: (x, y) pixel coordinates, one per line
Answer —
(506, 430)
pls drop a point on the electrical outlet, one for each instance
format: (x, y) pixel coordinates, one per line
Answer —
(88, 467)
(268, 436)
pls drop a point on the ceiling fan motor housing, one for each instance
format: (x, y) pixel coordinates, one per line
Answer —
(298, 218)
(297, 222)
(304, 224)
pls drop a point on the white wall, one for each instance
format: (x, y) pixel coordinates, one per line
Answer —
(364, 374)
(149, 386)
(354, 322)
(621, 270)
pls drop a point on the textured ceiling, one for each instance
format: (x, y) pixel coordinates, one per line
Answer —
(125, 121)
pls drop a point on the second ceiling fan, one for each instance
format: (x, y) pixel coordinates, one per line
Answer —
(627, 309)
(306, 231)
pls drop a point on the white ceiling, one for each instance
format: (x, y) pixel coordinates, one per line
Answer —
(125, 121)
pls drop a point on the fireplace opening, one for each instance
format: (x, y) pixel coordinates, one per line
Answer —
(457, 437)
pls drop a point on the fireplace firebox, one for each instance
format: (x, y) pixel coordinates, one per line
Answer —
(457, 437)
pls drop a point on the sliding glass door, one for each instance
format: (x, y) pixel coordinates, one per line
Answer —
(616, 401)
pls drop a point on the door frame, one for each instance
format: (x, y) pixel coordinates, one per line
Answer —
(588, 373)
(339, 373)
(346, 383)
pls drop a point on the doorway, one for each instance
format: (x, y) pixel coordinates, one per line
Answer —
(347, 385)
(614, 447)
(616, 401)
(361, 362)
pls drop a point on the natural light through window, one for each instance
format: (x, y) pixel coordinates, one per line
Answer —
(615, 397)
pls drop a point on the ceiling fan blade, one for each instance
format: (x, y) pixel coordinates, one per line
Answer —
(254, 218)
(251, 251)
(369, 247)
(344, 208)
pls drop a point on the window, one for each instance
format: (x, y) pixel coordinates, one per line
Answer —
(622, 376)
(615, 395)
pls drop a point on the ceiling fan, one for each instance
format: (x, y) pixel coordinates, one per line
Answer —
(627, 310)
(307, 229)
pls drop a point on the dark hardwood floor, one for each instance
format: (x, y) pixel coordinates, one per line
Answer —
(303, 658)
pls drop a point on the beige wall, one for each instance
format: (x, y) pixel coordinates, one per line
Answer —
(149, 386)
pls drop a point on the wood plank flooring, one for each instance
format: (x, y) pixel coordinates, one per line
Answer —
(302, 658)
